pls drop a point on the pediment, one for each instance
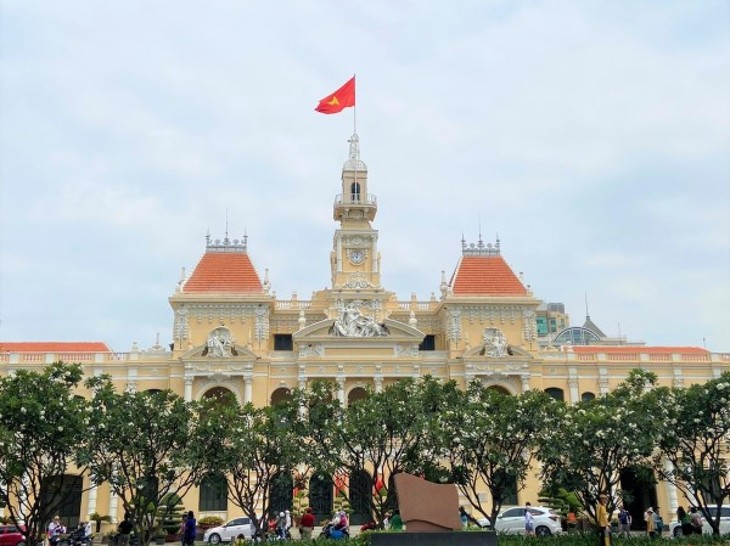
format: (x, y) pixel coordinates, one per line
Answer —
(393, 331)
(511, 352)
(202, 352)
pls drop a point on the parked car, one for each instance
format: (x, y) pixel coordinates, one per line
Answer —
(675, 528)
(10, 535)
(512, 521)
(239, 527)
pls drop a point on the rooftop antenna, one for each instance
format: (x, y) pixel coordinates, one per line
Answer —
(479, 221)
(619, 329)
(226, 224)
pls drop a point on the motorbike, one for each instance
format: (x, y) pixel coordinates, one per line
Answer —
(329, 531)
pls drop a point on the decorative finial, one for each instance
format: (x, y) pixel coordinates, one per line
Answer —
(354, 163)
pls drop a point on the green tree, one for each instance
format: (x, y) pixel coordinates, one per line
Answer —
(695, 445)
(254, 447)
(490, 439)
(42, 433)
(599, 438)
(146, 446)
(386, 433)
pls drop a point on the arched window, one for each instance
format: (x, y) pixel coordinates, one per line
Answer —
(577, 335)
(282, 394)
(355, 191)
(499, 389)
(357, 394)
(213, 494)
(555, 393)
(221, 394)
(586, 396)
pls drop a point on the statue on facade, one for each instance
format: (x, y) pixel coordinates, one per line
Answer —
(495, 344)
(220, 343)
(352, 323)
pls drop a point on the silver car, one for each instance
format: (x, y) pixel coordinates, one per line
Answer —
(512, 521)
(675, 528)
(234, 529)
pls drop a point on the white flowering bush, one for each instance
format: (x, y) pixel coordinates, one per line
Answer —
(489, 441)
(694, 451)
(147, 446)
(42, 433)
(599, 438)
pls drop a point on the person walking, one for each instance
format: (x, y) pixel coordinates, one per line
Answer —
(190, 529)
(624, 522)
(604, 535)
(529, 520)
(684, 521)
(306, 524)
(650, 522)
(124, 530)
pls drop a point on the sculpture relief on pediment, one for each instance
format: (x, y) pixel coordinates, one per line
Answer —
(495, 344)
(352, 323)
(219, 344)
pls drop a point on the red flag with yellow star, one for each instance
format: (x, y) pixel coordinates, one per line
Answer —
(343, 98)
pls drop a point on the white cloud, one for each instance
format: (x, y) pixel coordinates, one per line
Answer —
(592, 136)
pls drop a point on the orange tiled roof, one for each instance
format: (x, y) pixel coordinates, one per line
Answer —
(591, 349)
(54, 347)
(224, 272)
(485, 276)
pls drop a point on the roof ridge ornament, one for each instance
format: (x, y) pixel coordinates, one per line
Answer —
(226, 245)
(480, 248)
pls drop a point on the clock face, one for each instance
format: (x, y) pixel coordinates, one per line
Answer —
(356, 257)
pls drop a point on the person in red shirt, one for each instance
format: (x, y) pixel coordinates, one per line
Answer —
(306, 525)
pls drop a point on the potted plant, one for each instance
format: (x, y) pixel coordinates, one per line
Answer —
(160, 535)
(98, 519)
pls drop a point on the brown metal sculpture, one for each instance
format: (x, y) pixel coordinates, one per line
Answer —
(427, 507)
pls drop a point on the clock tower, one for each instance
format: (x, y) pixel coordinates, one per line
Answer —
(355, 261)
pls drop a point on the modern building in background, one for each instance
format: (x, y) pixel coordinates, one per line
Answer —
(229, 332)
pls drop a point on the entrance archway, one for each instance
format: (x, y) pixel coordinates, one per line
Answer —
(361, 490)
(280, 493)
(638, 486)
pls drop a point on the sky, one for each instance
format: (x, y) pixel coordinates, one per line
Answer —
(592, 136)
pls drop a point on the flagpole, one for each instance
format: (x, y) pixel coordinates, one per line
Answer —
(354, 108)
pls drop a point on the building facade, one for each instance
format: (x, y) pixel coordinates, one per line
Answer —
(230, 332)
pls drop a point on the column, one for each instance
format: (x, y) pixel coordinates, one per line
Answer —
(671, 489)
(113, 500)
(188, 388)
(374, 260)
(92, 501)
(378, 380)
(573, 385)
(247, 389)
(341, 390)
(525, 382)
(339, 253)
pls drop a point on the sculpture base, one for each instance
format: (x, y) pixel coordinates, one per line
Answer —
(452, 538)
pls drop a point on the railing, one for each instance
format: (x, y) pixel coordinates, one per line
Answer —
(83, 358)
(292, 304)
(356, 198)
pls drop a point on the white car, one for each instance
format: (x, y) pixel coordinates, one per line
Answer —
(675, 529)
(512, 521)
(239, 527)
